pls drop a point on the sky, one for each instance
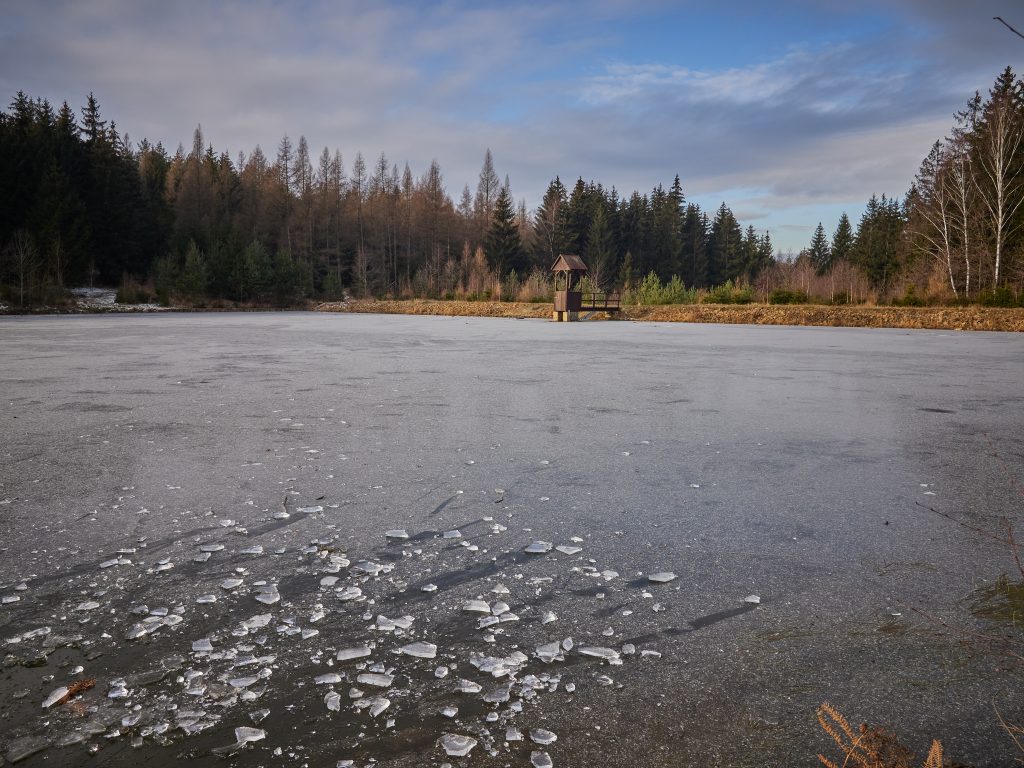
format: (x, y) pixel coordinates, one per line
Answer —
(789, 112)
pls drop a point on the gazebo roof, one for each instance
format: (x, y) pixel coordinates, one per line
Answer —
(568, 262)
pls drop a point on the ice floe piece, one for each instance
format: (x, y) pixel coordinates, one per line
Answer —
(244, 734)
(542, 736)
(378, 704)
(513, 734)
(231, 583)
(662, 577)
(211, 547)
(256, 549)
(539, 547)
(547, 617)
(330, 678)
(310, 510)
(56, 696)
(500, 666)
(390, 625)
(397, 533)
(202, 646)
(368, 567)
(333, 701)
(24, 747)
(600, 652)
(550, 652)
(377, 679)
(358, 652)
(566, 549)
(429, 588)
(268, 595)
(752, 599)
(347, 594)
(498, 696)
(448, 711)
(468, 686)
(258, 621)
(420, 650)
(477, 606)
(541, 760)
(456, 744)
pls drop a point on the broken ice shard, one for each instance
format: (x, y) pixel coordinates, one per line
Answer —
(609, 654)
(353, 653)
(245, 734)
(420, 650)
(456, 744)
(539, 547)
(56, 696)
(379, 680)
(662, 577)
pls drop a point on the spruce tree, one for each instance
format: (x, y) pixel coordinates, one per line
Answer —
(725, 244)
(819, 250)
(502, 244)
(842, 240)
(549, 224)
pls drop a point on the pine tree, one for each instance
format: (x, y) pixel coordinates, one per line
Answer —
(502, 245)
(93, 128)
(725, 244)
(192, 281)
(550, 224)
(842, 240)
(694, 255)
(819, 251)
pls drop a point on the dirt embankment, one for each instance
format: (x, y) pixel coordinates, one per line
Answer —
(950, 318)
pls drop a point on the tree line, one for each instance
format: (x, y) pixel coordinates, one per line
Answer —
(959, 231)
(81, 204)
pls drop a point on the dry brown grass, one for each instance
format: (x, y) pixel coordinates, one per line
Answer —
(948, 318)
(869, 747)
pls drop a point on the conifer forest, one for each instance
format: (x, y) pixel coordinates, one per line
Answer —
(83, 204)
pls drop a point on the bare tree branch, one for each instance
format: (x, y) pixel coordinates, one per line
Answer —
(1003, 22)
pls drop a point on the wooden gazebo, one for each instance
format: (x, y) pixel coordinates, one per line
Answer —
(569, 269)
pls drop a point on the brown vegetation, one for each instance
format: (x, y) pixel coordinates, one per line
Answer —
(950, 318)
(869, 747)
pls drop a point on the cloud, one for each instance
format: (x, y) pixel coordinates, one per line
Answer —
(824, 121)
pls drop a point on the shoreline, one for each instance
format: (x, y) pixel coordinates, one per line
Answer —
(932, 318)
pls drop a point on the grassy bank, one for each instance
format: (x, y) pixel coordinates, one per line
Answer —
(950, 318)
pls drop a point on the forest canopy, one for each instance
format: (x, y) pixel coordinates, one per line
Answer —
(81, 204)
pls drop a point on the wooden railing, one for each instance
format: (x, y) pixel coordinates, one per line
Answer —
(602, 302)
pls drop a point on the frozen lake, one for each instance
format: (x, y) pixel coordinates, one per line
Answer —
(147, 461)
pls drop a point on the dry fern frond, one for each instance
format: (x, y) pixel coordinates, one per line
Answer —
(934, 759)
(871, 747)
